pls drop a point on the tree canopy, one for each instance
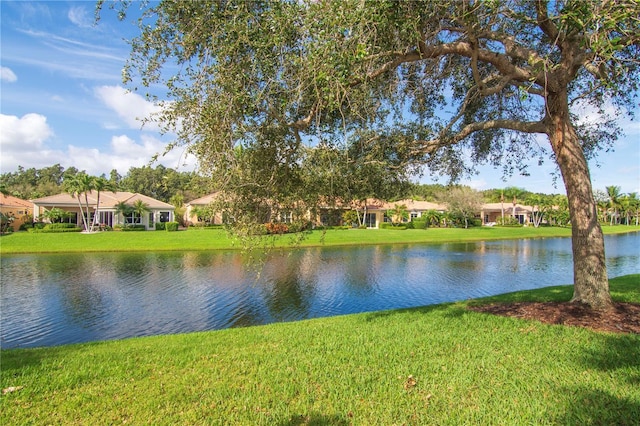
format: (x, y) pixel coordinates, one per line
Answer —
(446, 84)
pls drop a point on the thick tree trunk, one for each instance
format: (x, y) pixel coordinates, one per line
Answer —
(590, 283)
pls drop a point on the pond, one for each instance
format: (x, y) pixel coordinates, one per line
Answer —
(57, 299)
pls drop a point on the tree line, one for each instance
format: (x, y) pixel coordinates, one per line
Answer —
(174, 187)
(159, 182)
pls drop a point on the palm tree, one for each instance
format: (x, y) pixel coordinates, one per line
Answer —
(433, 217)
(76, 186)
(100, 184)
(123, 208)
(55, 215)
(140, 208)
(536, 202)
(613, 192)
(398, 213)
(634, 205)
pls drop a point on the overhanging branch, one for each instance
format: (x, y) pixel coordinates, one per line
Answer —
(430, 146)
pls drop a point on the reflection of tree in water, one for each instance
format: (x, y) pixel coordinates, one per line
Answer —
(80, 286)
(127, 265)
(289, 290)
(362, 268)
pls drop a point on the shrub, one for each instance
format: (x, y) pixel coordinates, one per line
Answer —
(508, 221)
(129, 228)
(276, 228)
(171, 226)
(26, 225)
(299, 226)
(53, 226)
(53, 229)
(387, 225)
(160, 226)
(419, 223)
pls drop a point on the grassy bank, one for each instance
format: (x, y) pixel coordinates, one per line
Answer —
(433, 365)
(203, 239)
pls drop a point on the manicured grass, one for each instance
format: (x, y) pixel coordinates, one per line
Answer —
(432, 365)
(211, 239)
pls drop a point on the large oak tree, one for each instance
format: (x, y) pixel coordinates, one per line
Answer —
(446, 84)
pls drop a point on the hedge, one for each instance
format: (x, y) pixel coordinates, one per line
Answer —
(171, 226)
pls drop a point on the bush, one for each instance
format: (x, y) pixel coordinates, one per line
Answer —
(160, 226)
(508, 221)
(129, 228)
(171, 226)
(53, 226)
(56, 227)
(387, 225)
(299, 226)
(419, 223)
(276, 228)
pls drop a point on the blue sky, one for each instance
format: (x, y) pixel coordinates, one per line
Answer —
(62, 101)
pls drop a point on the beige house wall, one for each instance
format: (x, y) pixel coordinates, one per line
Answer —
(21, 210)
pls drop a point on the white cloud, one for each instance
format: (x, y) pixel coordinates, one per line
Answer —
(6, 74)
(130, 107)
(80, 17)
(25, 134)
(23, 142)
(477, 184)
(124, 153)
(26, 142)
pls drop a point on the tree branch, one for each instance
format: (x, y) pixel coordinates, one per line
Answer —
(545, 24)
(430, 146)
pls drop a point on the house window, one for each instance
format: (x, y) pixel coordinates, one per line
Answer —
(72, 218)
(370, 220)
(165, 216)
(285, 217)
(106, 218)
(415, 215)
(133, 218)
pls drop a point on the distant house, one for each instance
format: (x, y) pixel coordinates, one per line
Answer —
(191, 209)
(372, 211)
(493, 212)
(20, 210)
(159, 211)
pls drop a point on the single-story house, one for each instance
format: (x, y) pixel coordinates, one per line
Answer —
(493, 212)
(108, 215)
(190, 215)
(20, 210)
(376, 212)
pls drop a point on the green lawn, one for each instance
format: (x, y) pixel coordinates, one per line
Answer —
(435, 365)
(203, 239)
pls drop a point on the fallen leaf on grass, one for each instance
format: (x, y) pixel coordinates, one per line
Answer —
(410, 382)
(11, 389)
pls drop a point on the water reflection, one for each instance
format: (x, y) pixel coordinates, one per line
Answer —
(57, 299)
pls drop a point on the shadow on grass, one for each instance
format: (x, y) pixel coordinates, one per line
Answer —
(597, 407)
(545, 294)
(316, 419)
(449, 309)
(618, 355)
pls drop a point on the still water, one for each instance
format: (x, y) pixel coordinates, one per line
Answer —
(48, 300)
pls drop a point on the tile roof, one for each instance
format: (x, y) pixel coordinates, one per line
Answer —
(11, 201)
(107, 200)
